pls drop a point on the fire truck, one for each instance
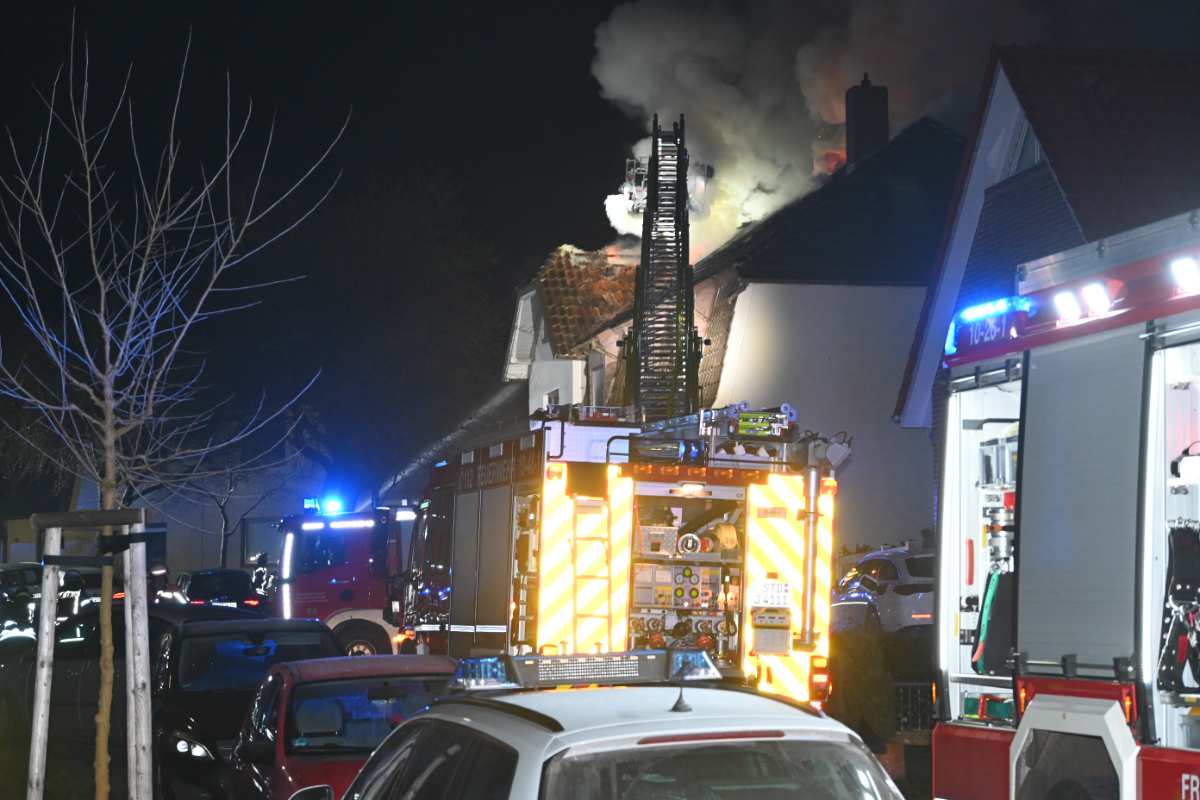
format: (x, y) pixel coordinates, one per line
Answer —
(591, 534)
(345, 569)
(1068, 608)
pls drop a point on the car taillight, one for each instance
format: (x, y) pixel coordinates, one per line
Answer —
(820, 683)
(118, 595)
(251, 601)
(197, 602)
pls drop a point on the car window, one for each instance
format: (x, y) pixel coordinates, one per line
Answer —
(741, 770)
(881, 569)
(354, 715)
(490, 775)
(208, 585)
(921, 567)
(264, 714)
(387, 765)
(238, 661)
(437, 766)
(868, 583)
(162, 663)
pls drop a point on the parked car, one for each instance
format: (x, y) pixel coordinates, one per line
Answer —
(638, 741)
(75, 689)
(230, 588)
(318, 721)
(892, 588)
(204, 681)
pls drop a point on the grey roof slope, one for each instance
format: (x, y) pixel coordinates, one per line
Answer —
(878, 222)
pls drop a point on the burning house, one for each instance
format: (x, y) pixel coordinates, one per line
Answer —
(814, 302)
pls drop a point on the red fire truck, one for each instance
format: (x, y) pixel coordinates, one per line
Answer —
(592, 534)
(1069, 582)
(345, 570)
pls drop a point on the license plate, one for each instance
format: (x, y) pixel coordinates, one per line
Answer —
(225, 603)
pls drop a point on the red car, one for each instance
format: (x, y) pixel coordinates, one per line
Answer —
(316, 721)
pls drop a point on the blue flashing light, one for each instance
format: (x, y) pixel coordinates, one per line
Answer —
(441, 463)
(951, 339)
(312, 504)
(994, 308)
(332, 505)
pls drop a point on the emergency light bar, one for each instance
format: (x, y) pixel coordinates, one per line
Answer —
(609, 669)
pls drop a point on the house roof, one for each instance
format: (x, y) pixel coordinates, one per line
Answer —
(875, 223)
(1120, 134)
(582, 291)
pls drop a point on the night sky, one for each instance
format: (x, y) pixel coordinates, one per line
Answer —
(477, 141)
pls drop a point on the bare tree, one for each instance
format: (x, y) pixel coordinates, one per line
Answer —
(238, 490)
(112, 259)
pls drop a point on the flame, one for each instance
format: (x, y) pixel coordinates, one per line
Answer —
(827, 162)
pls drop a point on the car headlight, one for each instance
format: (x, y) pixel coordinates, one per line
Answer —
(191, 748)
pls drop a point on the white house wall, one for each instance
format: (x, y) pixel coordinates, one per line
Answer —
(836, 353)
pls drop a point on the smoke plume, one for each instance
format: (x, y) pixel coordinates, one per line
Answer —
(763, 84)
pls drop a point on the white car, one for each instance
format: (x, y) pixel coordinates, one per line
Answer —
(893, 588)
(653, 741)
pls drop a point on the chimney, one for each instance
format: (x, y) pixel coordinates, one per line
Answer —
(866, 120)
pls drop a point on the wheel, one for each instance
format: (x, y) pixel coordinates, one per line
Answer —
(359, 638)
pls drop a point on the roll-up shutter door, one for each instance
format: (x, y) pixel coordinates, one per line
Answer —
(1080, 456)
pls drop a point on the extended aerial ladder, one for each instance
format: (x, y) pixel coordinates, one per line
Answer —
(662, 350)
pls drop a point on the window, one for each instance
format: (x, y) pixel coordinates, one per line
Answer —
(162, 664)
(264, 716)
(491, 773)
(320, 551)
(238, 661)
(387, 765)
(881, 569)
(758, 769)
(354, 715)
(922, 567)
(260, 536)
(437, 765)
(220, 585)
(597, 385)
(552, 398)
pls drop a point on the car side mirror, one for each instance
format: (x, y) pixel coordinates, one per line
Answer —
(314, 793)
(257, 751)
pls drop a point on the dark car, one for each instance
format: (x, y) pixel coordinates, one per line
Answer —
(74, 693)
(230, 588)
(315, 722)
(205, 678)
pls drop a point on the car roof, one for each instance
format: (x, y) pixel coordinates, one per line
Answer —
(347, 667)
(574, 716)
(252, 625)
(177, 614)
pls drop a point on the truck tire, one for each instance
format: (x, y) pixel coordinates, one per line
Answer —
(360, 638)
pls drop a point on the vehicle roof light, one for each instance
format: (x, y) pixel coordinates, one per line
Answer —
(1186, 273)
(312, 526)
(343, 524)
(691, 490)
(332, 505)
(1095, 296)
(1067, 306)
(994, 308)
(405, 515)
(606, 669)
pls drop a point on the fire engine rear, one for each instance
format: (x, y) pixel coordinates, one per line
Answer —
(591, 534)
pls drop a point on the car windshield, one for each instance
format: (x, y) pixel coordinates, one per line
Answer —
(354, 715)
(921, 567)
(744, 770)
(207, 585)
(238, 661)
